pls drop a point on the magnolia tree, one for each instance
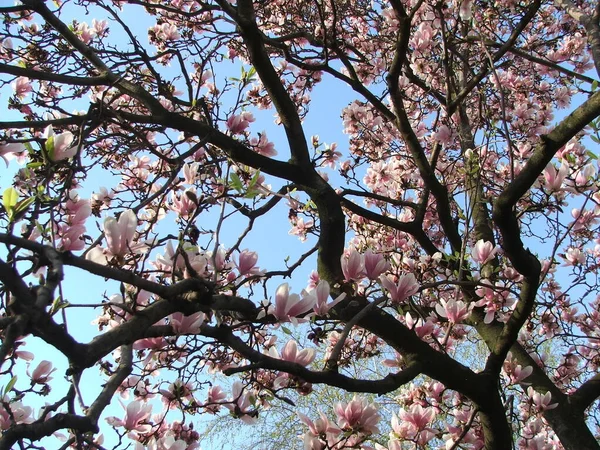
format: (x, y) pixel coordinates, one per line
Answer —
(458, 217)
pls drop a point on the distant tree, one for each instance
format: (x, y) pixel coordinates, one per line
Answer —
(461, 214)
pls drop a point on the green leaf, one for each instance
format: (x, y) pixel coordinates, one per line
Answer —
(309, 205)
(10, 198)
(35, 165)
(23, 205)
(50, 147)
(594, 85)
(251, 72)
(57, 305)
(10, 385)
(190, 247)
(236, 183)
(251, 194)
(254, 180)
(29, 148)
(286, 330)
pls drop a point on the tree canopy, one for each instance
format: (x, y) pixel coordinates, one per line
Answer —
(451, 234)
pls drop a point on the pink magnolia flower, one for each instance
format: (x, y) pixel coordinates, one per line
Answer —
(183, 324)
(166, 31)
(420, 328)
(59, 146)
(358, 415)
(321, 295)
(407, 285)
(465, 10)
(8, 151)
(171, 259)
(41, 374)
(70, 237)
(137, 385)
(398, 361)
(190, 172)
(238, 123)
(218, 260)
(584, 177)
(483, 251)
(320, 430)
(246, 263)
(584, 219)
(413, 424)
(136, 414)
(168, 441)
(77, 210)
(454, 310)
(120, 233)
(515, 372)
(443, 135)
(263, 146)
(176, 392)
(393, 444)
(574, 257)
(493, 298)
(16, 413)
(554, 178)
(541, 401)
(156, 348)
(375, 265)
(301, 228)
(119, 236)
(22, 87)
(241, 404)
(214, 398)
(102, 198)
(183, 204)
(353, 266)
(330, 156)
(313, 280)
(99, 26)
(289, 306)
(22, 354)
(86, 34)
(303, 357)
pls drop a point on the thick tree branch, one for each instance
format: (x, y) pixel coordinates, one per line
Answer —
(40, 429)
(39, 124)
(507, 222)
(56, 77)
(586, 394)
(286, 109)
